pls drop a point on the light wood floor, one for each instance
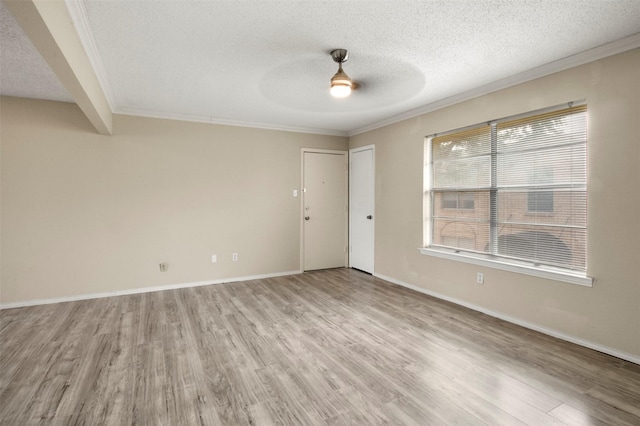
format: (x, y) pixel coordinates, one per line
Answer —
(331, 347)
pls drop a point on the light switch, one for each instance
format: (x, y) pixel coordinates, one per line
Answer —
(295, 192)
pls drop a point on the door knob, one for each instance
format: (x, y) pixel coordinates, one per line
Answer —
(369, 217)
(307, 218)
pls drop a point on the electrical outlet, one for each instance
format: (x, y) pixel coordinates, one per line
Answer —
(214, 258)
(164, 266)
(234, 257)
(480, 278)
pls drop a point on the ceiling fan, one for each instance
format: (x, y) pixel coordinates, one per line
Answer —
(341, 84)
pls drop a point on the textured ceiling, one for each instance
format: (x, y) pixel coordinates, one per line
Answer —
(23, 72)
(267, 63)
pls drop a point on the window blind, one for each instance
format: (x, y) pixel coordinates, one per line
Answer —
(461, 171)
(514, 189)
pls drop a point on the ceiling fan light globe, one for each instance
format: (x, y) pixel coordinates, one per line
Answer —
(340, 90)
(340, 85)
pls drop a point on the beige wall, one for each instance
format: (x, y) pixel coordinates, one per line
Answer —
(607, 314)
(84, 213)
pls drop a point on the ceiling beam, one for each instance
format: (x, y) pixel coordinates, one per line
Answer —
(50, 28)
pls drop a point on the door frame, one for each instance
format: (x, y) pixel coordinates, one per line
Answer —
(346, 198)
(373, 154)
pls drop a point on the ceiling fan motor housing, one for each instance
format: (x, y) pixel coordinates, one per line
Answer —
(340, 55)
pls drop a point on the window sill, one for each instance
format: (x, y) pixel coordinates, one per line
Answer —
(541, 272)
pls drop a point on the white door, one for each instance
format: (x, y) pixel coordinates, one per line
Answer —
(324, 209)
(361, 206)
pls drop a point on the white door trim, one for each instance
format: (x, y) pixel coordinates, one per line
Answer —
(346, 198)
(351, 152)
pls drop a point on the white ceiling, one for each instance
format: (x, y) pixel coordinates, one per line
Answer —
(23, 72)
(267, 64)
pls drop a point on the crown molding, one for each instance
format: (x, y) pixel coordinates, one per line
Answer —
(600, 52)
(139, 112)
(79, 15)
(83, 27)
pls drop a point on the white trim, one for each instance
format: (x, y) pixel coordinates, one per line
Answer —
(552, 274)
(363, 148)
(78, 14)
(427, 181)
(139, 112)
(371, 147)
(142, 290)
(600, 52)
(550, 332)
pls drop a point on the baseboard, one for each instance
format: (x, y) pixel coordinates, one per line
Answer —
(141, 290)
(550, 332)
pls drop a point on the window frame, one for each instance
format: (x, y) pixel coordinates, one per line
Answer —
(537, 195)
(488, 259)
(459, 200)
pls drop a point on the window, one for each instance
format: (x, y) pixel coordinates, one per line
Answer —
(455, 241)
(512, 191)
(457, 200)
(540, 200)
